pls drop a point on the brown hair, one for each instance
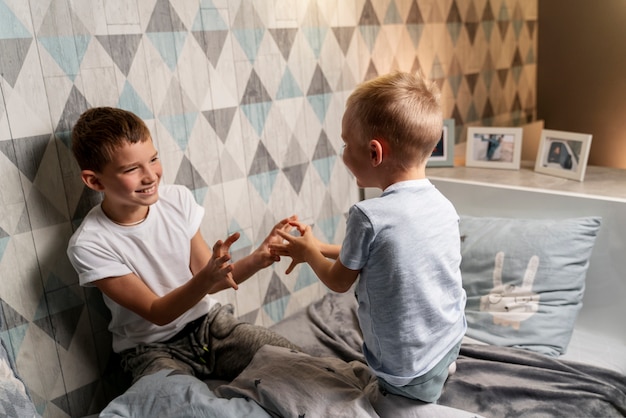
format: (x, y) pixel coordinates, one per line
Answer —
(100, 131)
(402, 108)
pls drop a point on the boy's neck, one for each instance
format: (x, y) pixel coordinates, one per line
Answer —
(397, 176)
(125, 216)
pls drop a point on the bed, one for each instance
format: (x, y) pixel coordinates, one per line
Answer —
(544, 277)
(328, 378)
(523, 355)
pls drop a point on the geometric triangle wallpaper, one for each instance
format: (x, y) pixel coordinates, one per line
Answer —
(244, 102)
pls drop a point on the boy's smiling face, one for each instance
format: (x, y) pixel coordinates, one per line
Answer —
(129, 181)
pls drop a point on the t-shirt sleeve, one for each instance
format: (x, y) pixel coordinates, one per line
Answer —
(192, 210)
(356, 245)
(94, 263)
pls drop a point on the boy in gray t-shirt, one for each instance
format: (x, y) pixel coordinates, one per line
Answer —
(404, 247)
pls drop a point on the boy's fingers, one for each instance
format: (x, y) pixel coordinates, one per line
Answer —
(282, 223)
(299, 226)
(231, 239)
(291, 267)
(278, 250)
(231, 282)
(289, 220)
(217, 247)
(223, 246)
(285, 235)
(224, 259)
(292, 218)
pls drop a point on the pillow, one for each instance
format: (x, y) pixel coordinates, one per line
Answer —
(14, 400)
(525, 279)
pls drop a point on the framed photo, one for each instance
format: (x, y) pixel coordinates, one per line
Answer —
(563, 154)
(443, 154)
(494, 147)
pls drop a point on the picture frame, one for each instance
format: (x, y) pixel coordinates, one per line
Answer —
(443, 154)
(494, 147)
(563, 154)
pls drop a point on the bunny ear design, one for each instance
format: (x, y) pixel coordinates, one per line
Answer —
(531, 273)
(497, 270)
(510, 305)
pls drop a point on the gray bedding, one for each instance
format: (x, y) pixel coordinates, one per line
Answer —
(507, 382)
(490, 381)
(329, 378)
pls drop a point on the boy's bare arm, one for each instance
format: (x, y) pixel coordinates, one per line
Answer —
(307, 248)
(131, 292)
(261, 257)
(212, 272)
(330, 250)
(200, 253)
(333, 274)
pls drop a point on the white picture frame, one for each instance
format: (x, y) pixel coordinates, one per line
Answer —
(494, 147)
(443, 154)
(563, 154)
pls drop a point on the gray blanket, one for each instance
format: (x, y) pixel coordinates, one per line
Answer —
(490, 381)
(508, 382)
(294, 384)
(329, 378)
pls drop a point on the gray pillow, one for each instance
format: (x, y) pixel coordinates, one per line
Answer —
(14, 399)
(525, 279)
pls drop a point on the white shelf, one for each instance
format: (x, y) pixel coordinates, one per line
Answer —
(600, 182)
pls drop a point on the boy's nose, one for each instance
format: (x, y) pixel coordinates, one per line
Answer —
(150, 175)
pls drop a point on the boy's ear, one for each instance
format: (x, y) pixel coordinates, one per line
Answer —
(377, 152)
(91, 180)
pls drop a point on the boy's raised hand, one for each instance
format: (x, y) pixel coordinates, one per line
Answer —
(219, 268)
(295, 247)
(265, 257)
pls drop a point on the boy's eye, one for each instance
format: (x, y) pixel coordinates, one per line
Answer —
(155, 159)
(129, 170)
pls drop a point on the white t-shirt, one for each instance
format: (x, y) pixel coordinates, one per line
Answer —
(411, 301)
(157, 250)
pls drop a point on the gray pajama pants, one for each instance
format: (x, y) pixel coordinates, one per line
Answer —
(218, 346)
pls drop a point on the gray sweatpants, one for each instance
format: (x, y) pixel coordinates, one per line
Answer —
(220, 347)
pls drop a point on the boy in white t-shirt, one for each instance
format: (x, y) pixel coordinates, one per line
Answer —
(404, 246)
(142, 248)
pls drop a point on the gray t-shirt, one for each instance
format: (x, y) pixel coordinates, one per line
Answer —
(406, 245)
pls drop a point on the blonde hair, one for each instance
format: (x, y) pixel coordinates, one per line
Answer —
(101, 131)
(403, 109)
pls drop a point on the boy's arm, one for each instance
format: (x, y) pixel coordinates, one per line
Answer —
(307, 248)
(246, 267)
(261, 257)
(212, 272)
(330, 250)
(333, 274)
(131, 292)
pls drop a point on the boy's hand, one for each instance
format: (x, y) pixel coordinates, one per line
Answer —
(297, 248)
(219, 270)
(264, 256)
